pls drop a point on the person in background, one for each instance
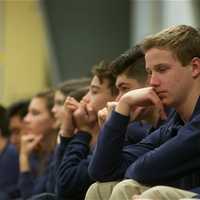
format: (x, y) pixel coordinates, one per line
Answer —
(9, 165)
(16, 113)
(62, 91)
(38, 142)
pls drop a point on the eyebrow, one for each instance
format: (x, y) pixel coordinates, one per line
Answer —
(122, 84)
(158, 66)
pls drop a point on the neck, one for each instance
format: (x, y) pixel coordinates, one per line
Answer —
(3, 142)
(95, 133)
(186, 109)
(49, 142)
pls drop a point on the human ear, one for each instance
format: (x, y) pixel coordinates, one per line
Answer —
(195, 67)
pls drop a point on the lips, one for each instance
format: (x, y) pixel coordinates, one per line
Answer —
(161, 94)
(27, 129)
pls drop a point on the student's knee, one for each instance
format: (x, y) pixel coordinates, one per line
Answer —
(126, 189)
(155, 192)
(127, 186)
(91, 192)
(100, 191)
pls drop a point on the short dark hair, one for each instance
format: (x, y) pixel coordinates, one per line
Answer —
(69, 85)
(79, 93)
(19, 108)
(102, 71)
(4, 130)
(131, 63)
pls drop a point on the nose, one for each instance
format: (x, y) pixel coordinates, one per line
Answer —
(27, 118)
(154, 80)
(54, 109)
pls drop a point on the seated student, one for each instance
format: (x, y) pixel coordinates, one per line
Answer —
(9, 166)
(63, 90)
(16, 113)
(169, 155)
(130, 73)
(37, 146)
(80, 135)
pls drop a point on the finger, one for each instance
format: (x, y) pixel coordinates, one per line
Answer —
(71, 108)
(92, 115)
(101, 117)
(137, 112)
(100, 122)
(73, 101)
(28, 137)
(37, 140)
(103, 113)
(157, 102)
(111, 106)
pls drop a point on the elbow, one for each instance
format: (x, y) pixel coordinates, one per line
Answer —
(95, 174)
(140, 174)
(104, 175)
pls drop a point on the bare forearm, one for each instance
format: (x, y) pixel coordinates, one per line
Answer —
(24, 163)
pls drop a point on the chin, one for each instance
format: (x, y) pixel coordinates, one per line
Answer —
(57, 124)
(169, 104)
(166, 102)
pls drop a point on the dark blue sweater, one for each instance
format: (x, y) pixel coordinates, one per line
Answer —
(140, 129)
(30, 183)
(72, 175)
(163, 157)
(9, 172)
(72, 178)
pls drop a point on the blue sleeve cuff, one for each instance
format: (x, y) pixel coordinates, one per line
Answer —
(83, 136)
(117, 120)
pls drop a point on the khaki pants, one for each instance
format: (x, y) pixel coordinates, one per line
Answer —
(166, 193)
(123, 190)
(100, 191)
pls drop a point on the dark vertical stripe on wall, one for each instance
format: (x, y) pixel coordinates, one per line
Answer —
(86, 31)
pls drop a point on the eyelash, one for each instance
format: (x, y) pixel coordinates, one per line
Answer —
(94, 91)
(124, 88)
(161, 69)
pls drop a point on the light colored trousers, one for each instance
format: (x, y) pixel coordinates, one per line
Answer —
(167, 193)
(124, 190)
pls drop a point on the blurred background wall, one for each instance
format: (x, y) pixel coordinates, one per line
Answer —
(43, 42)
(24, 50)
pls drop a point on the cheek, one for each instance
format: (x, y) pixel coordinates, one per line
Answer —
(60, 111)
(101, 103)
(41, 126)
(95, 102)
